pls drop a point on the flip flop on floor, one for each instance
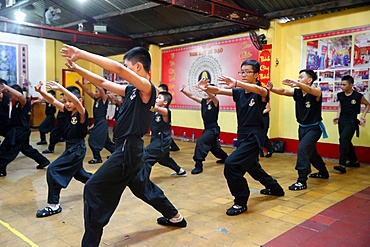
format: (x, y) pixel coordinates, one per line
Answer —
(319, 175)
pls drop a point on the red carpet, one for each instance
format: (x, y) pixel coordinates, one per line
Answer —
(344, 224)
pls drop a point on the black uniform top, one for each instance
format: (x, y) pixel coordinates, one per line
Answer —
(20, 117)
(209, 114)
(159, 125)
(116, 111)
(50, 109)
(75, 130)
(61, 115)
(134, 116)
(100, 109)
(249, 109)
(4, 111)
(307, 109)
(350, 105)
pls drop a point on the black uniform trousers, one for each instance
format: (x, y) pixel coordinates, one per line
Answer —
(68, 165)
(17, 140)
(103, 191)
(99, 138)
(346, 131)
(245, 159)
(57, 133)
(46, 126)
(265, 140)
(307, 152)
(208, 142)
(157, 151)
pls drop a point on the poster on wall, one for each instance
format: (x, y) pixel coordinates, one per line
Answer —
(14, 63)
(335, 54)
(186, 65)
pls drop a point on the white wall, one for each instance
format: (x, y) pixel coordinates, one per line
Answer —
(36, 57)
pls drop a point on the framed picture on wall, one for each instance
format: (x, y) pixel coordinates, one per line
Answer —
(14, 63)
(335, 54)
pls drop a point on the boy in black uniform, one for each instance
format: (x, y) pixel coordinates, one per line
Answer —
(4, 111)
(99, 136)
(209, 140)
(125, 166)
(159, 148)
(308, 101)
(250, 102)
(57, 133)
(69, 163)
(17, 138)
(173, 147)
(349, 106)
(48, 123)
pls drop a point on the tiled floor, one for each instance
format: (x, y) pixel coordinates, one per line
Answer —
(292, 220)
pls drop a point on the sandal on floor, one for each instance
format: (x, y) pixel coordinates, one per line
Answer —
(48, 211)
(298, 186)
(95, 161)
(272, 192)
(319, 175)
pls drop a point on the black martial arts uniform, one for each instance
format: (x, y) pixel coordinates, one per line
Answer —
(17, 139)
(48, 123)
(159, 148)
(308, 114)
(4, 115)
(124, 167)
(249, 109)
(209, 140)
(70, 163)
(57, 134)
(99, 136)
(348, 124)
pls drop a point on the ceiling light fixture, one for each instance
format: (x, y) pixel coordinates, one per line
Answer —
(19, 15)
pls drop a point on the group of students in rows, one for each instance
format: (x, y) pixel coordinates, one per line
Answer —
(130, 163)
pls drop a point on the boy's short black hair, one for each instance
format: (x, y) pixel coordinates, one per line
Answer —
(139, 54)
(164, 87)
(310, 73)
(255, 65)
(17, 87)
(348, 79)
(75, 91)
(2, 81)
(52, 92)
(167, 97)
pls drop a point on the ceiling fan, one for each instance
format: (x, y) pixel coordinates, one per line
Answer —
(257, 40)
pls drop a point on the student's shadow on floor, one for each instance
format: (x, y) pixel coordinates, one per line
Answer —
(135, 238)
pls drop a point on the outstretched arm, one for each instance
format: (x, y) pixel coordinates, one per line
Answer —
(309, 89)
(12, 92)
(203, 84)
(81, 110)
(230, 82)
(98, 80)
(189, 94)
(280, 91)
(48, 97)
(86, 89)
(142, 84)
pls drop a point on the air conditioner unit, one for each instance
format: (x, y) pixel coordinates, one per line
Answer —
(100, 28)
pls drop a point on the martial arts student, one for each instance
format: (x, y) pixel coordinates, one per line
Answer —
(48, 123)
(17, 138)
(308, 101)
(70, 163)
(58, 132)
(4, 111)
(349, 107)
(209, 140)
(160, 140)
(250, 100)
(173, 147)
(125, 166)
(99, 136)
